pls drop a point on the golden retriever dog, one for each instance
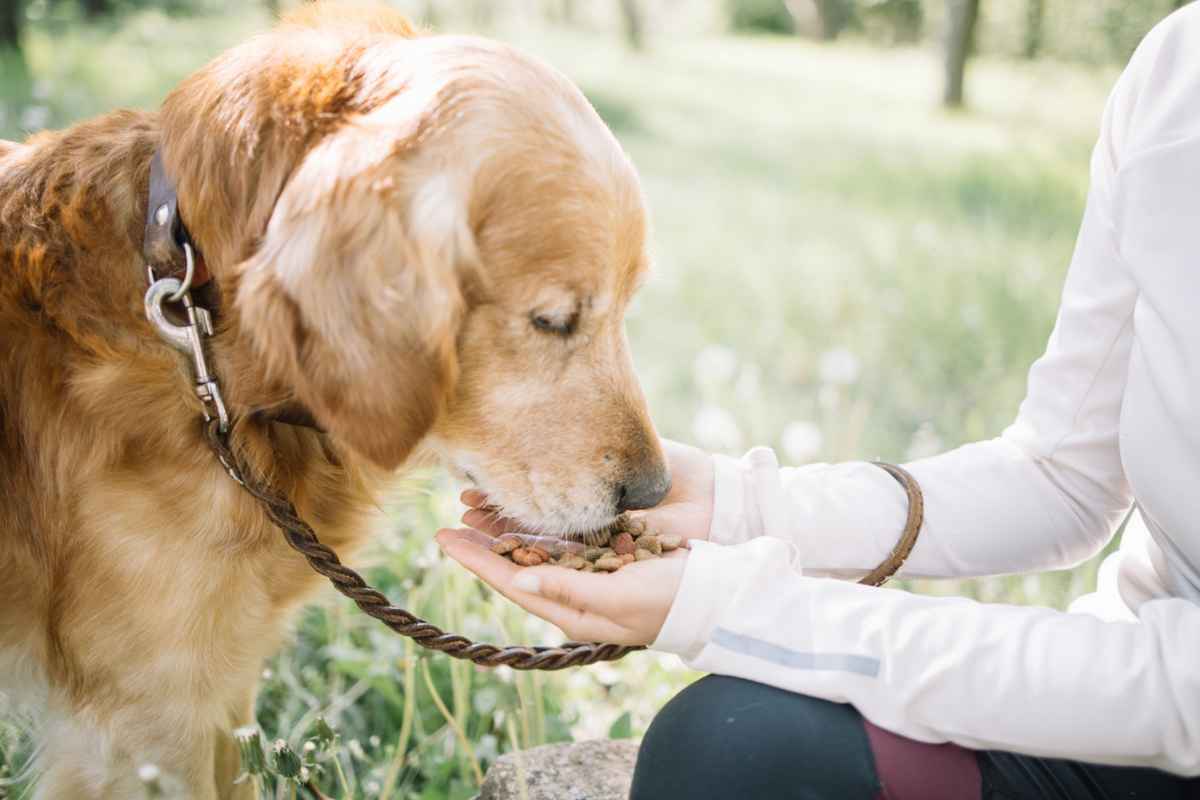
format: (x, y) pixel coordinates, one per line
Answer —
(427, 243)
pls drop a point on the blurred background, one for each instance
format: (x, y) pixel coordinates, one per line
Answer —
(864, 210)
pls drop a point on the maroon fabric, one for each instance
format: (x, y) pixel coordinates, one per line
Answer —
(910, 770)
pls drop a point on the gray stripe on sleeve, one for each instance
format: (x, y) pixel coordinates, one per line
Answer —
(795, 659)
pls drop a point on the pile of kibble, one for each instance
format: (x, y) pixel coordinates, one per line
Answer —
(624, 542)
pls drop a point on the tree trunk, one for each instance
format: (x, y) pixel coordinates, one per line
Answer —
(94, 9)
(12, 12)
(635, 30)
(961, 18)
(1035, 26)
(272, 7)
(835, 16)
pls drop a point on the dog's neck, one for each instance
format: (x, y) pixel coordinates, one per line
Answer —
(72, 205)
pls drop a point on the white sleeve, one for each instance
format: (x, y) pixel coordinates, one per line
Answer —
(1047, 494)
(1029, 680)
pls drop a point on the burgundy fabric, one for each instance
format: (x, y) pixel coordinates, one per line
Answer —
(910, 770)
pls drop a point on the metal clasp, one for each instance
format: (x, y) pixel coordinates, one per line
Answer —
(189, 340)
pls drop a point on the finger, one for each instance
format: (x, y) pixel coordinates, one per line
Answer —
(474, 498)
(502, 575)
(475, 537)
(490, 522)
(680, 519)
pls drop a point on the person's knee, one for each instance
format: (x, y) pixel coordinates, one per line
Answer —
(725, 737)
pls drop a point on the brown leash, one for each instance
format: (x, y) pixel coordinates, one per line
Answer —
(322, 559)
(172, 262)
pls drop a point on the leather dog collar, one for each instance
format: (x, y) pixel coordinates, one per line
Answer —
(167, 249)
(166, 238)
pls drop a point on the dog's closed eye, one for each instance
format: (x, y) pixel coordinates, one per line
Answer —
(560, 323)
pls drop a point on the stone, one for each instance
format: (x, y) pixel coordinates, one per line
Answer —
(596, 770)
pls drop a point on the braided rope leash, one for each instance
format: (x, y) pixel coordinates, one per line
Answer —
(322, 559)
(302, 538)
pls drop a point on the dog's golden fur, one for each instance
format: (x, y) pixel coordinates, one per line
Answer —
(428, 242)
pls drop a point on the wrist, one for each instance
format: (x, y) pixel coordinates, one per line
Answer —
(715, 579)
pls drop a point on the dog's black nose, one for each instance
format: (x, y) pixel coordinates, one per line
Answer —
(644, 489)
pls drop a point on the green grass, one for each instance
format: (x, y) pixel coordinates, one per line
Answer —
(812, 206)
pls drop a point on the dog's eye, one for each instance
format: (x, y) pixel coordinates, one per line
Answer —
(563, 325)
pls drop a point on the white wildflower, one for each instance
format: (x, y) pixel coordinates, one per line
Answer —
(839, 366)
(716, 429)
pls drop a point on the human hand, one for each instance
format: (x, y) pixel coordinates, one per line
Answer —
(628, 606)
(686, 511)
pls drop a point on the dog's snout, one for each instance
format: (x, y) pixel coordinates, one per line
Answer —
(644, 489)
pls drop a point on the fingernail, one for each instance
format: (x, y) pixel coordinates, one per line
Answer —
(527, 581)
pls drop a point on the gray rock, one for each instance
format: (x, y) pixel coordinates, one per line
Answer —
(599, 770)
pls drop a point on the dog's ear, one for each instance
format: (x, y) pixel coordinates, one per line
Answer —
(353, 297)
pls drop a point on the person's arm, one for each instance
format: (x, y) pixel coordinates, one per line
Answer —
(1029, 680)
(1047, 494)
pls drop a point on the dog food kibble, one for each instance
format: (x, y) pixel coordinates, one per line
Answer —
(527, 556)
(624, 542)
(505, 545)
(610, 563)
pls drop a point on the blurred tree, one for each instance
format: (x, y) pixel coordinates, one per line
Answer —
(634, 23)
(1035, 26)
(962, 17)
(772, 16)
(835, 16)
(272, 7)
(93, 9)
(12, 14)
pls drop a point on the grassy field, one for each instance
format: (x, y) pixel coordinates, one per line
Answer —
(843, 271)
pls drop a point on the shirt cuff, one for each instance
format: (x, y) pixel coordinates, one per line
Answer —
(693, 614)
(737, 515)
(714, 578)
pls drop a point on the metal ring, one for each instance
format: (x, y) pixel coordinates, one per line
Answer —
(187, 277)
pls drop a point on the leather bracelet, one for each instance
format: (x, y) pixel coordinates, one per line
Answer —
(912, 526)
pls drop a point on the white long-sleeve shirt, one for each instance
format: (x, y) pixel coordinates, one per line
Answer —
(1112, 416)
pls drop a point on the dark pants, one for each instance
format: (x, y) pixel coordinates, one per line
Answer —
(730, 739)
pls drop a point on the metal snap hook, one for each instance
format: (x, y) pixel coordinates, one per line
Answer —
(187, 339)
(161, 291)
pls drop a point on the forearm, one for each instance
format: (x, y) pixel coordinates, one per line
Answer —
(1023, 679)
(991, 508)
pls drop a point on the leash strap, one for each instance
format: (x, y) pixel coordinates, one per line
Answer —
(375, 604)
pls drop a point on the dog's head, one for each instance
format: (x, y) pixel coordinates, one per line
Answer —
(426, 240)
